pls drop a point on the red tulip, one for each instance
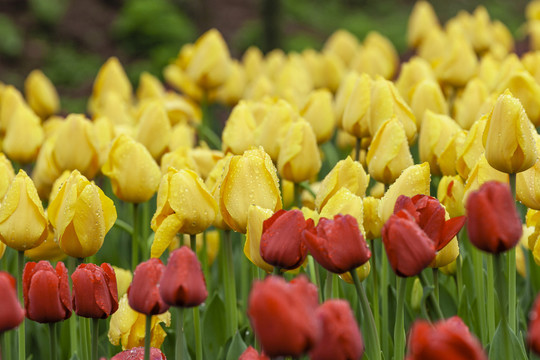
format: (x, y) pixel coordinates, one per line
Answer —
(143, 293)
(283, 315)
(138, 354)
(341, 339)
(338, 245)
(94, 291)
(533, 335)
(429, 214)
(281, 241)
(46, 292)
(251, 354)
(493, 222)
(11, 311)
(182, 283)
(445, 340)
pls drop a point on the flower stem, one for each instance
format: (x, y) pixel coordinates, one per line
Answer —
(135, 238)
(435, 273)
(298, 195)
(490, 305)
(73, 328)
(357, 149)
(198, 335)
(52, 337)
(179, 352)
(314, 275)
(503, 301)
(20, 268)
(399, 327)
(512, 288)
(147, 336)
(373, 347)
(375, 300)
(230, 284)
(384, 303)
(277, 271)
(432, 299)
(95, 338)
(193, 243)
(478, 268)
(2, 345)
(121, 224)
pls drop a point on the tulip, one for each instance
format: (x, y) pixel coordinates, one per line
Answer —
(467, 105)
(427, 95)
(238, 134)
(372, 222)
(448, 156)
(299, 158)
(205, 159)
(248, 179)
(143, 293)
(127, 327)
(45, 170)
(41, 94)
(11, 311)
(373, 61)
(344, 202)
(184, 205)
(252, 246)
(356, 113)
(182, 135)
(421, 22)
(293, 81)
(178, 159)
(182, 283)
(450, 193)
(281, 241)
(253, 61)
(458, 63)
(123, 280)
(509, 137)
(318, 112)
(11, 99)
(389, 153)
(527, 190)
(47, 250)
(23, 224)
(493, 222)
(283, 315)
(251, 354)
(343, 44)
(338, 244)
(46, 292)
(533, 334)
(77, 132)
(111, 78)
(24, 135)
(133, 172)
(480, 174)
(471, 149)
(341, 338)
(149, 87)
(343, 93)
(138, 354)
(154, 129)
(232, 90)
(413, 72)
(95, 294)
(6, 174)
(446, 339)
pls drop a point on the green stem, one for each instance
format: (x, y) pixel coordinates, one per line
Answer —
(490, 293)
(52, 338)
(480, 293)
(277, 271)
(20, 269)
(373, 347)
(357, 149)
(375, 300)
(435, 273)
(298, 195)
(431, 297)
(512, 183)
(84, 335)
(179, 351)
(198, 335)
(305, 185)
(135, 238)
(459, 276)
(193, 243)
(384, 303)
(313, 275)
(328, 286)
(335, 286)
(503, 301)
(73, 328)
(399, 327)
(230, 285)
(145, 228)
(95, 338)
(2, 345)
(121, 224)
(512, 288)
(147, 336)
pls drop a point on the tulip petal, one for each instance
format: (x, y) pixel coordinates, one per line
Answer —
(165, 234)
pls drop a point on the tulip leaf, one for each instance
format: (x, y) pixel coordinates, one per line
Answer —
(236, 348)
(213, 327)
(497, 347)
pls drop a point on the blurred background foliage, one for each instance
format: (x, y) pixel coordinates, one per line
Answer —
(70, 39)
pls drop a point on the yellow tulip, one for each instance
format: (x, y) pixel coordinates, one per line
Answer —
(45, 170)
(377, 190)
(528, 183)
(6, 174)
(502, 36)
(345, 202)
(509, 137)
(506, 70)
(149, 87)
(482, 172)
(205, 159)
(134, 174)
(448, 157)
(343, 44)
(467, 105)
(252, 246)
(362, 271)
(333, 70)
(259, 88)
(318, 112)
(533, 28)
(389, 152)
(458, 64)
(533, 223)
(471, 149)
(450, 193)
(411, 74)
(238, 133)
(389, 53)
(436, 131)
(248, 179)
(433, 46)
(154, 129)
(447, 254)
(531, 62)
(2, 249)
(252, 60)
(81, 215)
(346, 173)
(23, 223)
(386, 102)
(287, 193)
(422, 21)
(76, 146)
(184, 205)
(293, 82)
(525, 88)
(47, 250)
(232, 90)
(177, 78)
(372, 221)
(24, 135)
(115, 109)
(10, 101)
(356, 114)
(182, 135)
(523, 245)
(123, 280)
(41, 94)
(127, 327)
(428, 96)
(299, 158)
(182, 109)
(373, 61)
(111, 78)
(213, 184)
(413, 181)
(343, 93)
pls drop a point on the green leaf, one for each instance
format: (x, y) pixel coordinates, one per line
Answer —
(12, 41)
(497, 347)
(236, 348)
(213, 327)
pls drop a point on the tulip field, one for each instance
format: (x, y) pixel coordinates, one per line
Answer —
(343, 203)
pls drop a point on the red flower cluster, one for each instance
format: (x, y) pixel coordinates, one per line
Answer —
(95, 293)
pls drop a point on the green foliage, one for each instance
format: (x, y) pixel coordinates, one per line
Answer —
(48, 11)
(12, 41)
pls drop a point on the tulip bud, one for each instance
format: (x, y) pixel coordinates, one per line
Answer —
(182, 135)
(178, 159)
(447, 157)
(343, 93)
(127, 327)
(46, 292)
(389, 55)
(133, 172)
(389, 152)
(47, 250)
(248, 179)
(143, 293)
(509, 137)
(318, 112)
(480, 174)
(253, 62)
(472, 149)
(372, 222)
(411, 74)
(356, 113)
(10, 100)
(428, 95)
(6, 174)
(184, 205)
(417, 294)
(11, 312)
(123, 280)
(149, 87)
(251, 354)
(252, 246)
(154, 129)
(343, 44)
(421, 22)
(466, 106)
(24, 135)
(23, 224)
(232, 90)
(138, 353)
(299, 158)
(526, 184)
(238, 131)
(450, 193)
(458, 64)
(41, 94)
(111, 78)
(94, 291)
(527, 91)
(344, 202)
